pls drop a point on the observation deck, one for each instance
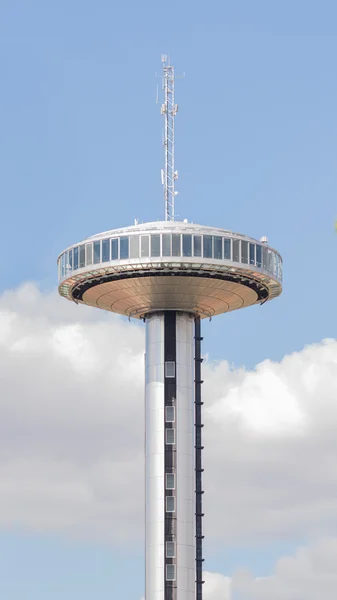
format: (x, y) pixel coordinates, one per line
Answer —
(169, 265)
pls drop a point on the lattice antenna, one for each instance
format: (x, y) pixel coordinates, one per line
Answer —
(169, 109)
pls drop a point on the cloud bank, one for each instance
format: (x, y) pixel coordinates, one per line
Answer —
(72, 431)
(72, 438)
(310, 574)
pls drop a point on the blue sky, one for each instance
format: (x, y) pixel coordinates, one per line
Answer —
(80, 152)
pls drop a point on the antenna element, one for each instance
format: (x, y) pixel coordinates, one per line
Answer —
(169, 109)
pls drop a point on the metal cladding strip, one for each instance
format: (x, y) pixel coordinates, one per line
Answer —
(185, 457)
(154, 461)
(198, 461)
(170, 449)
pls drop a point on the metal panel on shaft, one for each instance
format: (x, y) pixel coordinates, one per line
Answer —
(185, 458)
(154, 449)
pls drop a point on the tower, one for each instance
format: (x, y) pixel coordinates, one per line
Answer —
(171, 275)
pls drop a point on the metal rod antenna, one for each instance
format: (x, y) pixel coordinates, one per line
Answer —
(169, 109)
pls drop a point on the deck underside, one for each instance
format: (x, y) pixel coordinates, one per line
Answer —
(137, 296)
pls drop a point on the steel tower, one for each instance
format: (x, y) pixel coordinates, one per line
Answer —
(169, 109)
(171, 274)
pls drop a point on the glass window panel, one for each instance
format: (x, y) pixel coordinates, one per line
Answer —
(68, 269)
(197, 245)
(76, 257)
(258, 256)
(134, 246)
(170, 481)
(145, 246)
(227, 249)
(176, 244)
(252, 254)
(280, 272)
(82, 256)
(278, 267)
(166, 244)
(89, 254)
(170, 436)
(105, 250)
(187, 245)
(244, 252)
(271, 262)
(114, 249)
(170, 550)
(265, 257)
(170, 572)
(218, 247)
(236, 250)
(169, 414)
(63, 265)
(124, 247)
(170, 503)
(207, 246)
(155, 245)
(170, 370)
(71, 262)
(97, 252)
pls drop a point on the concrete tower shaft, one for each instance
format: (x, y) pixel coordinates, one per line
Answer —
(170, 451)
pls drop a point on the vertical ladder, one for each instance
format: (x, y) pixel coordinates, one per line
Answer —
(198, 460)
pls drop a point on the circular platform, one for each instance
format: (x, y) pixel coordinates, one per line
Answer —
(170, 266)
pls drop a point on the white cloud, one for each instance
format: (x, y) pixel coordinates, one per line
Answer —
(71, 419)
(270, 437)
(310, 574)
(71, 430)
(216, 587)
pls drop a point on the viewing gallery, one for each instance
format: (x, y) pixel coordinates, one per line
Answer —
(137, 247)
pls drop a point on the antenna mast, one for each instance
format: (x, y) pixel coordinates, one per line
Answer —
(169, 109)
